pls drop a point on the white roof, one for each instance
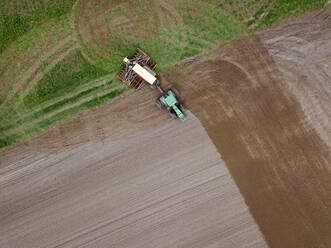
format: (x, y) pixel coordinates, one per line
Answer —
(144, 74)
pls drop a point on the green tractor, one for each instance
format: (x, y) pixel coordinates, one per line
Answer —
(140, 69)
(169, 101)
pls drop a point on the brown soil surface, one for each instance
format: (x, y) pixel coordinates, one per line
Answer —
(160, 185)
(278, 160)
(302, 52)
(124, 175)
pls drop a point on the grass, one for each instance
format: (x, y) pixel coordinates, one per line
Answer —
(37, 46)
(45, 124)
(65, 77)
(72, 86)
(279, 9)
(287, 8)
(204, 26)
(260, 12)
(19, 16)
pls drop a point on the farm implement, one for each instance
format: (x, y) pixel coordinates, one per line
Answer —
(140, 69)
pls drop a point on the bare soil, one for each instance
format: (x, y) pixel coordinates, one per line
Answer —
(301, 50)
(163, 186)
(258, 122)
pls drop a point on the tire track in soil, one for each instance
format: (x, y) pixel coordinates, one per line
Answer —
(280, 163)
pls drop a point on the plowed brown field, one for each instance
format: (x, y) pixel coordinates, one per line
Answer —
(125, 175)
(279, 162)
(162, 186)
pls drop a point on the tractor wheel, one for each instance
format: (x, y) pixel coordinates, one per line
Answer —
(175, 91)
(173, 114)
(159, 104)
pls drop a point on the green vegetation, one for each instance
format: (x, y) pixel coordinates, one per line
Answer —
(38, 111)
(196, 36)
(258, 16)
(202, 26)
(85, 77)
(19, 16)
(45, 124)
(32, 53)
(64, 77)
(286, 8)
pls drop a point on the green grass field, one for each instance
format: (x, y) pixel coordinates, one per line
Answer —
(48, 75)
(19, 16)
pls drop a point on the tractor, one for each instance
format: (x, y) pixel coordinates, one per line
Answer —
(168, 100)
(140, 69)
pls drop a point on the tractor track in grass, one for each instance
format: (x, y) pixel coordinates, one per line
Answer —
(263, 14)
(81, 89)
(94, 24)
(14, 82)
(38, 74)
(33, 74)
(23, 113)
(245, 9)
(25, 127)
